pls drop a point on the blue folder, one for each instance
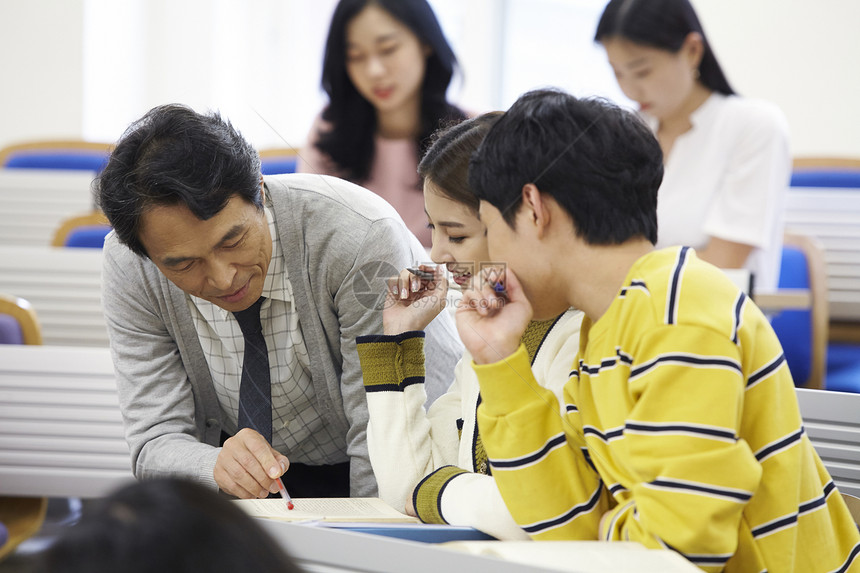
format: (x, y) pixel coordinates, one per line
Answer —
(425, 532)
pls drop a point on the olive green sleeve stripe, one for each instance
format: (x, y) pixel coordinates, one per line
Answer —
(377, 363)
(412, 358)
(427, 496)
(389, 361)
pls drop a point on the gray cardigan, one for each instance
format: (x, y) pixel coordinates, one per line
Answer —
(336, 238)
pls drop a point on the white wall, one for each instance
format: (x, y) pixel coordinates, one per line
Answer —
(252, 60)
(801, 54)
(41, 78)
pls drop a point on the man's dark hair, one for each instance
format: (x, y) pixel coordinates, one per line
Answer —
(176, 156)
(600, 163)
(169, 525)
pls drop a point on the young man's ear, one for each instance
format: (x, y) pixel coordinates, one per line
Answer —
(536, 208)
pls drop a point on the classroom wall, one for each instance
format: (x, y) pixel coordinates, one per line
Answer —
(800, 54)
(803, 55)
(41, 70)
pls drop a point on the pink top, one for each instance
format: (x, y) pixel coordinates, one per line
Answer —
(393, 176)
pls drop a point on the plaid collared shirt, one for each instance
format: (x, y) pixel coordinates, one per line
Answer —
(297, 428)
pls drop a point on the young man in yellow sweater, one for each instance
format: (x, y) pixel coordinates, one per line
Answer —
(679, 404)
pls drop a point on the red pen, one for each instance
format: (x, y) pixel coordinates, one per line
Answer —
(285, 495)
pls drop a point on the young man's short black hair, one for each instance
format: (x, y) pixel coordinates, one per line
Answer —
(601, 163)
(176, 156)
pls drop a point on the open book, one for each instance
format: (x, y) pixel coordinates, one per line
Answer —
(351, 509)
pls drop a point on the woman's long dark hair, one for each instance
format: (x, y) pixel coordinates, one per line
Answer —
(662, 24)
(350, 142)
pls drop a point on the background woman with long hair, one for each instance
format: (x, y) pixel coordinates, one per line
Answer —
(727, 159)
(386, 70)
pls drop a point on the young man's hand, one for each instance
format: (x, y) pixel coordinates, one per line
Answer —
(248, 466)
(491, 320)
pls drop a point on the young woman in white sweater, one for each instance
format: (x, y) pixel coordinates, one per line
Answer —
(431, 463)
(726, 158)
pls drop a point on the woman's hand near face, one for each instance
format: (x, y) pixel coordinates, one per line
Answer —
(412, 302)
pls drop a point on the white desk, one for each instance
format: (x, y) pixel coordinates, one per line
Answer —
(64, 287)
(832, 423)
(61, 430)
(324, 550)
(33, 202)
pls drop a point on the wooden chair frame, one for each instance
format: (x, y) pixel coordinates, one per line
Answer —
(278, 152)
(23, 312)
(826, 163)
(814, 255)
(53, 145)
(72, 223)
(853, 504)
(840, 330)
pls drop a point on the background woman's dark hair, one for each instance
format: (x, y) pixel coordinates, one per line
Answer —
(446, 163)
(350, 142)
(662, 24)
(165, 525)
(176, 156)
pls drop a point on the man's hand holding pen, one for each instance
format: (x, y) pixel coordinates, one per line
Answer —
(492, 319)
(248, 467)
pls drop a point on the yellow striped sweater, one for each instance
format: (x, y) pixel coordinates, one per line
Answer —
(683, 403)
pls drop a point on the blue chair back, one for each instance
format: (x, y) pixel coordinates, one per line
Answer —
(4, 535)
(277, 160)
(66, 154)
(826, 172)
(18, 321)
(10, 330)
(88, 236)
(69, 160)
(794, 327)
(845, 178)
(277, 166)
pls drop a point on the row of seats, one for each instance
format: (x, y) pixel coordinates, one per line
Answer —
(21, 517)
(89, 229)
(92, 156)
(816, 181)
